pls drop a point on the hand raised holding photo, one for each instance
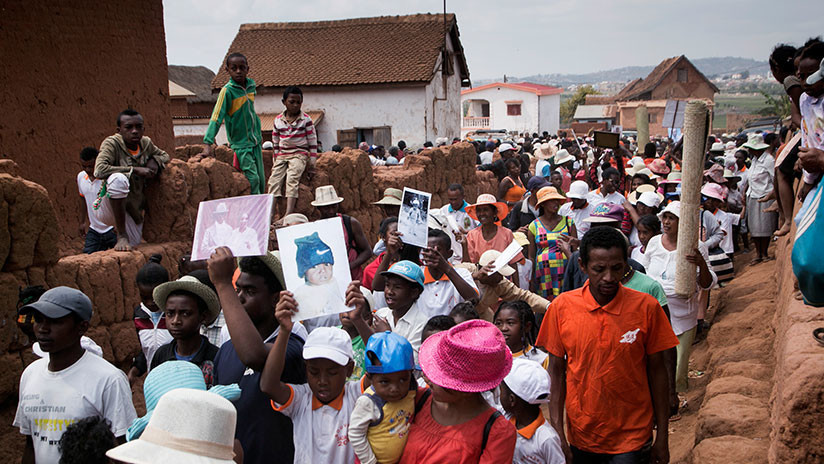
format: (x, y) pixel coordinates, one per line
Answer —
(221, 265)
(285, 310)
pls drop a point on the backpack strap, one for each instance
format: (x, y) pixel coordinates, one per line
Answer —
(424, 396)
(488, 427)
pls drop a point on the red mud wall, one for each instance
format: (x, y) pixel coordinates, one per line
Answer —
(68, 69)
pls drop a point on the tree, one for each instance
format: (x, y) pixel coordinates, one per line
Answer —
(780, 106)
(578, 98)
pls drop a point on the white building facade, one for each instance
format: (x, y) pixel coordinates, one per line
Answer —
(518, 107)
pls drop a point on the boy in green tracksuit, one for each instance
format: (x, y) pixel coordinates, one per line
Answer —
(236, 104)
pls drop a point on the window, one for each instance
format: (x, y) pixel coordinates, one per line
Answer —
(513, 109)
(682, 75)
(653, 118)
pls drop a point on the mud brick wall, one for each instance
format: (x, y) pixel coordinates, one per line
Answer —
(69, 68)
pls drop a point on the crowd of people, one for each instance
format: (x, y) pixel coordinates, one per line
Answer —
(576, 349)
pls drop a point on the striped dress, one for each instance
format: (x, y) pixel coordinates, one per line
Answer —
(550, 261)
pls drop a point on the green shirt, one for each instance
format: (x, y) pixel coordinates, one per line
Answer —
(358, 348)
(646, 284)
(236, 105)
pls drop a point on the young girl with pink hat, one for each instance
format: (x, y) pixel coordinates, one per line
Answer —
(454, 423)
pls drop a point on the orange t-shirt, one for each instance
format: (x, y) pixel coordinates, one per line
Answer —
(608, 401)
(476, 244)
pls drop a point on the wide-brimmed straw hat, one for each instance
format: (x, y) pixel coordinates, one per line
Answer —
(471, 357)
(563, 156)
(547, 194)
(712, 190)
(192, 285)
(272, 261)
(659, 166)
(755, 142)
(718, 147)
(391, 196)
(326, 195)
(730, 175)
(188, 426)
(645, 171)
(487, 199)
(545, 151)
(636, 194)
(636, 166)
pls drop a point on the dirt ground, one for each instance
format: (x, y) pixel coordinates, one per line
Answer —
(682, 433)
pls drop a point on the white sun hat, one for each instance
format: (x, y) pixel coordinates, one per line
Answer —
(188, 426)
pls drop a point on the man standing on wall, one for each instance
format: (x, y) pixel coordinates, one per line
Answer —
(236, 104)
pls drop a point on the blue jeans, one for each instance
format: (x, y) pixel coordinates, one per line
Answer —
(640, 456)
(95, 241)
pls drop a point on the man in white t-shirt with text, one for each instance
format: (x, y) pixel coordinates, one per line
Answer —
(71, 383)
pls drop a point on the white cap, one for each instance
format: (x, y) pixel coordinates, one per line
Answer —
(529, 381)
(650, 199)
(504, 147)
(329, 343)
(578, 189)
(268, 145)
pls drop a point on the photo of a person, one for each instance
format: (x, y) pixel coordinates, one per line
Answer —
(219, 229)
(240, 223)
(246, 239)
(320, 292)
(413, 219)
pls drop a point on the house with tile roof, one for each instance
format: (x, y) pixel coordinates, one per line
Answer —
(675, 78)
(514, 107)
(376, 80)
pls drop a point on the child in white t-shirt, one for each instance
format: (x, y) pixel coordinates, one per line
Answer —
(99, 236)
(321, 408)
(523, 390)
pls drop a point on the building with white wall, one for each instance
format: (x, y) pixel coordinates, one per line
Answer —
(378, 80)
(513, 107)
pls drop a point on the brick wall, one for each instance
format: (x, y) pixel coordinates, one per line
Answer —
(68, 69)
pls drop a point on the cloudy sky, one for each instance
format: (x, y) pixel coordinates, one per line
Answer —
(523, 37)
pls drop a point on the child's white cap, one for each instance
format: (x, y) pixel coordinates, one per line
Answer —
(529, 381)
(329, 343)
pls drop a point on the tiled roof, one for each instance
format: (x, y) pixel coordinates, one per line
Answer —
(638, 87)
(380, 50)
(198, 79)
(537, 89)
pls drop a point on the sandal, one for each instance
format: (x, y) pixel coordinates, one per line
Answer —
(818, 335)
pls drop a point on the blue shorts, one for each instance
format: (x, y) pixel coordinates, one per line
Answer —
(95, 241)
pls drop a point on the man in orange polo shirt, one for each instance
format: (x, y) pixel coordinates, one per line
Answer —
(609, 342)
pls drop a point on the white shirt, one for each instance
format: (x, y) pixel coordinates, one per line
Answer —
(525, 273)
(440, 296)
(245, 243)
(322, 434)
(660, 264)
(543, 445)
(89, 189)
(595, 198)
(51, 401)
(217, 234)
(577, 215)
(726, 221)
(760, 178)
(410, 326)
(812, 129)
(464, 222)
(543, 168)
(152, 339)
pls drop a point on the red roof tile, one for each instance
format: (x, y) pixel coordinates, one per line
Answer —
(380, 50)
(537, 89)
(638, 87)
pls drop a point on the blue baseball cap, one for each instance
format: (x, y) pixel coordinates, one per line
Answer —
(392, 351)
(61, 301)
(407, 270)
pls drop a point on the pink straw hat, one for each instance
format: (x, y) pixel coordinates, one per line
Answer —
(471, 357)
(659, 166)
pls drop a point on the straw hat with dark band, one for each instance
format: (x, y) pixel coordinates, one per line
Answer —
(194, 286)
(272, 261)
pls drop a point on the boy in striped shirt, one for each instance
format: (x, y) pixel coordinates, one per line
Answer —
(295, 145)
(236, 106)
